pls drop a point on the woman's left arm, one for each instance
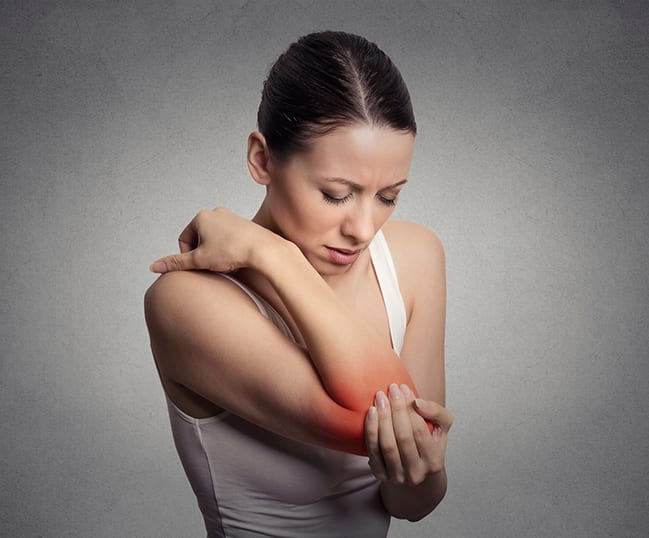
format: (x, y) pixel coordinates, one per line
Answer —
(404, 454)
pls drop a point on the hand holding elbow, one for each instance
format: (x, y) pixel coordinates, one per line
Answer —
(402, 448)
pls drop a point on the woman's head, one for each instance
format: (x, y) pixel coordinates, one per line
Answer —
(328, 80)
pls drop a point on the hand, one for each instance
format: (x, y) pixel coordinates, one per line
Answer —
(401, 447)
(215, 240)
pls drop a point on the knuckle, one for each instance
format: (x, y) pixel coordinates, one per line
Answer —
(414, 478)
(174, 262)
(420, 432)
(402, 438)
(437, 464)
(390, 452)
(198, 257)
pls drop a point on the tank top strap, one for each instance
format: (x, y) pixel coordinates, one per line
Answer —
(386, 275)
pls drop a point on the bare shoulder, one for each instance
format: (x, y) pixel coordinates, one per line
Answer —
(414, 247)
(180, 297)
(171, 288)
(200, 326)
(418, 257)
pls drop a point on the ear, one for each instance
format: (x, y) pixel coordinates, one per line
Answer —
(258, 158)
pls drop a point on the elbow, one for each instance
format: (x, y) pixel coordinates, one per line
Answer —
(344, 435)
(340, 428)
(356, 389)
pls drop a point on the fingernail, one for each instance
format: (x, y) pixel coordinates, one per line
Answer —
(158, 267)
(371, 413)
(381, 400)
(406, 391)
(395, 393)
(419, 403)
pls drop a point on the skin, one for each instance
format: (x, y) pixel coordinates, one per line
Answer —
(347, 388)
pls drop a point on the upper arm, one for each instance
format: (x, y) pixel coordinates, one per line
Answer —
(209, 337)
(420, 262)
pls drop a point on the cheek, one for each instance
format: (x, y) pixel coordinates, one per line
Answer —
(309, 214)
(302, 214)
(383, 215)
(291, 215)
(311, 220)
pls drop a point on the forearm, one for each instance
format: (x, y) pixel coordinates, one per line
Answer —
(350, 357)
(414, 502)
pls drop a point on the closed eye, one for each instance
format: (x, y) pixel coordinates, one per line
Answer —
(387, 201)
(334, 200)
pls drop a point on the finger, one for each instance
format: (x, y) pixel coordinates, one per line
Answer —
(416, 420)
(430, 436)
(387, 440)
(414, 467)
(189, 238)
(434, 412)
(372, 444)
(187, 246)
(410, 398)
(402, 425)
(431, 444)
(175, 262)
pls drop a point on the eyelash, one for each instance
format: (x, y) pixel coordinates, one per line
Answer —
(387, 201)
(338, 201)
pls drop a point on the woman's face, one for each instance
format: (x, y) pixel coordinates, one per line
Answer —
(332, 199)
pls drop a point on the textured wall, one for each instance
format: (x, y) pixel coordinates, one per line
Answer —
(120, 120)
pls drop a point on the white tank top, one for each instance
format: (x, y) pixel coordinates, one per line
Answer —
(250, 482)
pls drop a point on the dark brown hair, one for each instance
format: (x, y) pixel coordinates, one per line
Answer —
(327, 80)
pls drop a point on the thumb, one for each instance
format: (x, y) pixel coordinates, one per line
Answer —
(433, 412)
(175, 262)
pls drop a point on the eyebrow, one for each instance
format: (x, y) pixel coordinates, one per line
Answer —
(358, 187)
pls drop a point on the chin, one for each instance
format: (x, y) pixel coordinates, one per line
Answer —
(331, 269)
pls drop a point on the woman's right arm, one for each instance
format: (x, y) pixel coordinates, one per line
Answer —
(352, 360)
(209, 337)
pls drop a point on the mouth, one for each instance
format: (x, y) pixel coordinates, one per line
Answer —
(343, 256)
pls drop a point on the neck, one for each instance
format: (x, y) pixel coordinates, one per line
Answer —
(264, 218)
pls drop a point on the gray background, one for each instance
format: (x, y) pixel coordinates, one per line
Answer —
(120, 120)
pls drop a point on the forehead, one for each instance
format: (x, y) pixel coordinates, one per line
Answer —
(359, 152)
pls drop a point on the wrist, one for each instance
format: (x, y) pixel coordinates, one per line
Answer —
(268, 254)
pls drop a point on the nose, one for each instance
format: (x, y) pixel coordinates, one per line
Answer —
(359, 224)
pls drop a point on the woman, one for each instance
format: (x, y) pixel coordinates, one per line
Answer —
(312, 343)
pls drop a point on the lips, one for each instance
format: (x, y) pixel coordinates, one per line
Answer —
(343, 256)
